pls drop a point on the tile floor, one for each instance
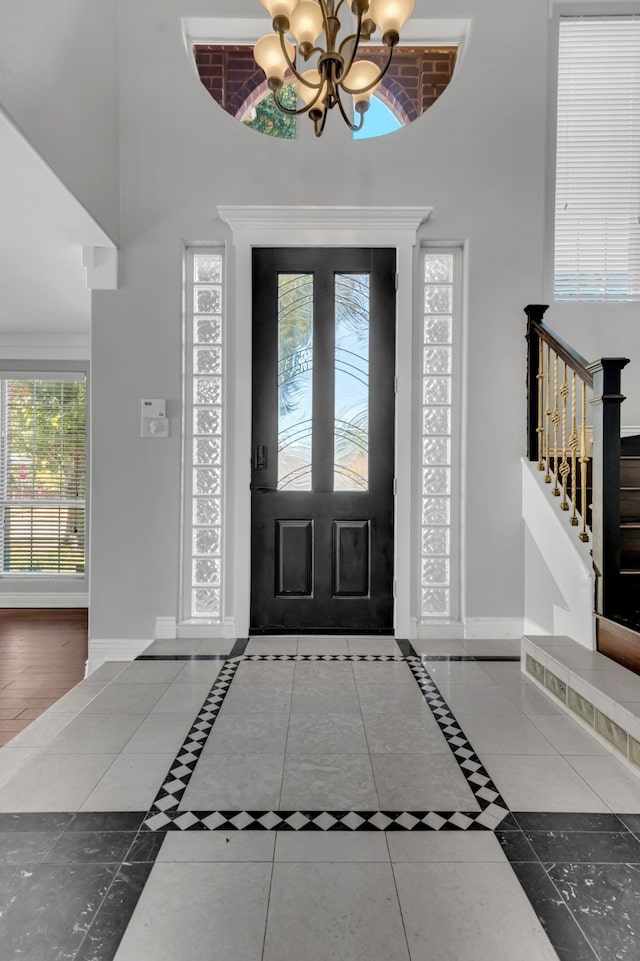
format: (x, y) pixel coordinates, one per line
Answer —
(325, 799)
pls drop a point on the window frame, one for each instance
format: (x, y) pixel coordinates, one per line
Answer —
(30, 369)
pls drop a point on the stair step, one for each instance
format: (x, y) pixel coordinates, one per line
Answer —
(630, 472)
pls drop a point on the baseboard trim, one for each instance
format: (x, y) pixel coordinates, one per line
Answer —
(118, 649)
(43, 600)
(493, 627)
(166, 628)
(440, 630)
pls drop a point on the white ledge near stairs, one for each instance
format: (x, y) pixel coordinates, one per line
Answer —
(602, 696)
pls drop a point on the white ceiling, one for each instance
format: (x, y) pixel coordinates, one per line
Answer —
(43, 288)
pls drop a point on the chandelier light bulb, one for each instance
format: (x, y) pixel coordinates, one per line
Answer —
(307, 23)
(358, 80)
(280, 8)
(270, 58)
(391, 15)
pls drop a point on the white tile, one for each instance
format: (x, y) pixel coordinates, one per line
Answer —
(567, 736)
(149, 672)
(126, 699)
(480, 698)
(204, 672)
(215, 645)
(130, 784)
(232, 782)
(311, 703)
(248, 734)
(451, 647)
(322, 645)
(96, 734)
(328, 782)
(77, 698)
(579, 658)
(541, 783)
(498, 647)
(343, 911)
(199, 911)
(382, 672)
(618, 685)
(391, 698)
(160, 734)
(415, 782)
(249, 698)
(272, 645)
(617, 785)
(107, 671)
(373, 645)
(54, 782)
(457, 672)
(12, 759)
(496, 734)
(43, 730)
(218, 846)
(182, 698)
(503, 672)
(468, 912)
(531, 699)
(447, 846)
(404, 734)
(326, 734)
(333, 846)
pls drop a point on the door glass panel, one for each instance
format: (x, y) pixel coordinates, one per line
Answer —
(351, 431)
(295, 380)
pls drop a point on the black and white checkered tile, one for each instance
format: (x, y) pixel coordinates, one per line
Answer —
(164, 814)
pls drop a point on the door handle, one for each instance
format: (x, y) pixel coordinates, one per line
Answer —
(260, 457)
(265, 490)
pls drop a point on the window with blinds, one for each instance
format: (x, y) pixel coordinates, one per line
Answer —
(597, 213)
(43, 425)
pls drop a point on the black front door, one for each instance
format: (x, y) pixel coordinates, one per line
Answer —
(323, 440)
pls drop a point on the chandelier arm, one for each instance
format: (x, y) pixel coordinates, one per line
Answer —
(318, 125)
(345, 116)
(325, 16)
(290, 111)
(373, 83)
(356, 43)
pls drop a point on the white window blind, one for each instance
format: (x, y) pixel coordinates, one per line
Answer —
(597, 216)
(42, 474)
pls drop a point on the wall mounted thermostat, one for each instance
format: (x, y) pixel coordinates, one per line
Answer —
(155, 422)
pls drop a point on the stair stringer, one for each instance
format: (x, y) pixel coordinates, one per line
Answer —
(567, 559)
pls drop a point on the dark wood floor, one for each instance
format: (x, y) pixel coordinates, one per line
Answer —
(42, 656)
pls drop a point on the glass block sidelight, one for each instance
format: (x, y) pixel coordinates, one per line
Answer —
(205, 448)
(437, 371)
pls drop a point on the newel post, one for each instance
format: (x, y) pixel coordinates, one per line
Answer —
(605, 499)
(535, 315)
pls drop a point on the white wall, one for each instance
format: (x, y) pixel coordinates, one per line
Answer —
(58, 81)
(477, 157)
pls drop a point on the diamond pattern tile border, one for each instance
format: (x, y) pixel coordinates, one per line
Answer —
(164, 814)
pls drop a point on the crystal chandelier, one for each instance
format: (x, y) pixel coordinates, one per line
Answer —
(335, 71)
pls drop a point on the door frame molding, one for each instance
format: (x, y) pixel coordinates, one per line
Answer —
(270, 226)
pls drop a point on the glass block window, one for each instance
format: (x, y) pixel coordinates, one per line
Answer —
(204, 443)
(438, 362)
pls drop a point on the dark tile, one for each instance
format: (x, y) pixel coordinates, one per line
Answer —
(406, 647)
(590, 846)
(605, 899)
(497, 657)
(631, 821)
(146, 847)
(104, 935)
(54, 908)
(25, 847)
(91, 847)
(509, 823)
(34, 822)
(107, 821)
(239, 647)
(515, 846)
(447, 657)
(558, 821)
(12, 878)
(182, 657)
(556, 919)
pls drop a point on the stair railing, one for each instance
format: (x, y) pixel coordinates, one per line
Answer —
(561, 387)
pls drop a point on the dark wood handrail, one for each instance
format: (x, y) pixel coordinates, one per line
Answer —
(571, 357)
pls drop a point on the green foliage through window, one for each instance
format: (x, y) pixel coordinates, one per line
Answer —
(268, 119)
(43, 475)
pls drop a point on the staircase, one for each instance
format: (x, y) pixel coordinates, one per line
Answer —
(599, 488)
